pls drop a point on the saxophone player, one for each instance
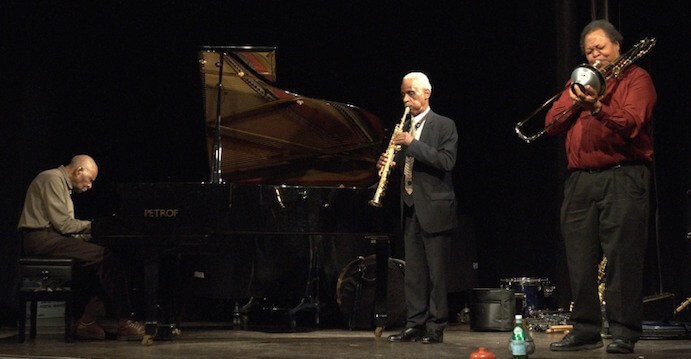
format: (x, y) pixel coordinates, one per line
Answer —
(425, 162)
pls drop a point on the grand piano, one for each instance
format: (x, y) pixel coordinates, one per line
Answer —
(289, 181)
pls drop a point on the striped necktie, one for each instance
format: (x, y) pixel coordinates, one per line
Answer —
(408, 168)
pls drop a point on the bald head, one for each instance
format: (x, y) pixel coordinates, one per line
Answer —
(82, 160)
(82, 171)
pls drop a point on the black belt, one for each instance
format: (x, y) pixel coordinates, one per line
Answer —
(618, 165)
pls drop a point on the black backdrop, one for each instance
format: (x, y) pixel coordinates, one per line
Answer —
(119, 80)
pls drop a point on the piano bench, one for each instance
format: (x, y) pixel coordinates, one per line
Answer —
(44, 279)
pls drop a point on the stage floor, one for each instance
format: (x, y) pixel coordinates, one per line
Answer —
(216, 340)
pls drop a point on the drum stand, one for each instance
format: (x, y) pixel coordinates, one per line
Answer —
(381, 251)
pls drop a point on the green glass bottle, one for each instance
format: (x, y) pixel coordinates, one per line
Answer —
(518, 344)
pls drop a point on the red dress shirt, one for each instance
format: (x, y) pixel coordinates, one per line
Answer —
(621, 132)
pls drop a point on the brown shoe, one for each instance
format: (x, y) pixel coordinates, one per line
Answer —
(130, 330)
(91, 330)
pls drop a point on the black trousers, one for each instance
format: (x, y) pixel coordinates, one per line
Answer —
(96, 264)
(426, 264)
(607, 212)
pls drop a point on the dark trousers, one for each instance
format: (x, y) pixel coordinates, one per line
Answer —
(95, 262)
(426, 262)
(606, 212)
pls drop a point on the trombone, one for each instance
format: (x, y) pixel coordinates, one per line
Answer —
(588, 75)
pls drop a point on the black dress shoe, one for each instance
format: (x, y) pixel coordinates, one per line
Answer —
(433, 337)
(407, 335)
(620, 345)
(572, 343)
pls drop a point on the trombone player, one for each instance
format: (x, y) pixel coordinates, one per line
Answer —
(606, 195)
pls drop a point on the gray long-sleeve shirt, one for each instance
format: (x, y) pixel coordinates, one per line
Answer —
(48, 203)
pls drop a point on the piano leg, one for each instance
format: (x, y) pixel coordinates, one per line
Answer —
(381, 250)
(151, 291)
(311, 299)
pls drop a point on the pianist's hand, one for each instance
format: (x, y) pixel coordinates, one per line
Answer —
(83, 236)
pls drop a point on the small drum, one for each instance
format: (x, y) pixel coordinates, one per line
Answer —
(532, 290)
(356, 293)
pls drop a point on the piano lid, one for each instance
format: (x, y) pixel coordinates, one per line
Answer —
(272, 136)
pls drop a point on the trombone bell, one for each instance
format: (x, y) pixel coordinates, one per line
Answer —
(589, 75)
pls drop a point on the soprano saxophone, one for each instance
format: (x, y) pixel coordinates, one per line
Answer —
(386, 168)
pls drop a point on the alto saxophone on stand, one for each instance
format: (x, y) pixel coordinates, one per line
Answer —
(386, 168)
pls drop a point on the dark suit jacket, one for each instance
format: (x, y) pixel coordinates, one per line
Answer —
(435, 157)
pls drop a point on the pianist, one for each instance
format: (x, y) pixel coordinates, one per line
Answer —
(49, 228)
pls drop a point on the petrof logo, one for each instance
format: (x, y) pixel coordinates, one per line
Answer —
(161, 212)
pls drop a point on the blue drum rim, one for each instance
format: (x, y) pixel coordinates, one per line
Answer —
(523, 280)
